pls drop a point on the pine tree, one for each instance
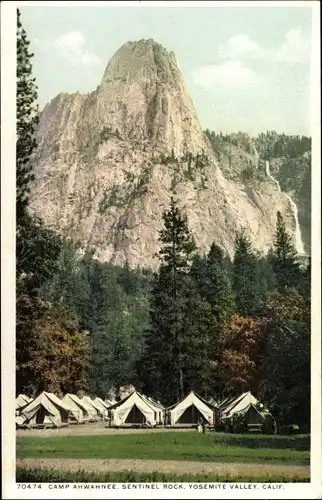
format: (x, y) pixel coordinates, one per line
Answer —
(178, 245)
(27, 119)
(212, 275)
(284, 259)
(199, 273)
(220, 293)
(37, 247)
(197, 342)
(164, 358)
(246, 280)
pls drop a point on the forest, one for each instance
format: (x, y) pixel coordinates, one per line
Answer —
(200, 322)
(268, 145)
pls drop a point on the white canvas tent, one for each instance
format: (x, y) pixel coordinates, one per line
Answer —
(252, 414)
(22, 400)
(133, 410)
(45, 410)
(240, 404)
(110, 402)
(103, 403)
(97, 410)
(190, 410)
(102, 406)
(91, 410)
(80, 411)
(157, 407)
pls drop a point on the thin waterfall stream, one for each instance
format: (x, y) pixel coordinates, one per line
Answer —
(298, 235)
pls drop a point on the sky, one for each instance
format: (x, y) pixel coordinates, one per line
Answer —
(247, 68)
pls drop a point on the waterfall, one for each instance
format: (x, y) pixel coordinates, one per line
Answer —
(256, 154)
(268, 173)
(298, 235)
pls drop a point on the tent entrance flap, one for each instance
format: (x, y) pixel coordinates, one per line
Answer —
(191, 416)
(40, 415)
(135, 416)
(253, 416)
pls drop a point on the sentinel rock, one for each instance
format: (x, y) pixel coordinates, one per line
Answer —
(107, 163)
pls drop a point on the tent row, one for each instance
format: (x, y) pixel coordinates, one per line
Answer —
(138, 410)
(47, 410)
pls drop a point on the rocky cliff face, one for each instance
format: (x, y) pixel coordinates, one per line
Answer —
(294, 176)
(108, 161)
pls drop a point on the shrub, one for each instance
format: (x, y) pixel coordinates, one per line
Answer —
(34, 475)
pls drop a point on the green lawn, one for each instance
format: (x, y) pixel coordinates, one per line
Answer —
(210, 447)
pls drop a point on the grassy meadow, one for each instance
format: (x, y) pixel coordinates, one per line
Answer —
(191, 446)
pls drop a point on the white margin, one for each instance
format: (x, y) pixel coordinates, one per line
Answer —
(8, 134)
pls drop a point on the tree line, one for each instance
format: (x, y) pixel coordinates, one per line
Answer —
(228, 327)
(269, 145)
(199, 322)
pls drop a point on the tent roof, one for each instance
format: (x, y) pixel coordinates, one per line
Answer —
(210, 405)
(102, 402)
(191, 399)
(122, 408)
(118, 403)
(153, 404)
(22, 400)
(56, 401)
(80, 402)
(46, 402)
(133, 396)
(109, 403)
(247, 408)
(240, 404)
(156, 403)
(102, 407)
(73, 402)
(229, 405)
(93, 404)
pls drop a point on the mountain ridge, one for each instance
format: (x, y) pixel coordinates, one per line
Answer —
(108, 161)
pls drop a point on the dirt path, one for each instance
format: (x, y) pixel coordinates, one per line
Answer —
(164, 466)
(94, 429)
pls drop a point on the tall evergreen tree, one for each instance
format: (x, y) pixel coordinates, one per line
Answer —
(220, 293)
(164, 357)
(285, 264)
(198, 340)
(177, 244)
(212, 276)
(37, 248)
(246, 280)
(27, 119)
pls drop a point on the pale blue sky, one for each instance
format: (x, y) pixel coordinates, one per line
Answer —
(246, 68)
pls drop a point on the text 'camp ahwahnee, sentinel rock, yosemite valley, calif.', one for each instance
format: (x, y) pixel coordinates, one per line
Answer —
(108, 161)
